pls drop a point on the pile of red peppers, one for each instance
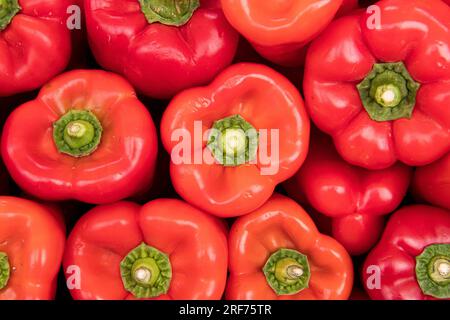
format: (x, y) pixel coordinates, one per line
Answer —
(225, 149)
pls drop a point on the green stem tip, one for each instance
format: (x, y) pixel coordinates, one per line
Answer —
(4, 270)
(146, 272)
(233, 141)
(169, 12)
(433, 270)
(8, 10)
(388, 92)
(287, 272)
(77, 133)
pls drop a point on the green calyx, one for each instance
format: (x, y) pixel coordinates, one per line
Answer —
(233, 141)
(146, 272)
(433, 270)
(169, 12)
(287, 272)
(5, 271)
(388, 92)
(8, 10)
(77, 133)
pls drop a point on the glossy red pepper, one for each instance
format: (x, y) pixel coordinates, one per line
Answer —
(380, 88)
(165, 249)
(34, 43)
(74, 142)
(432, 182)
(233, 141)
(276, 252)
(32, 239)
(356, 199)
(412, 259)
(161, 52)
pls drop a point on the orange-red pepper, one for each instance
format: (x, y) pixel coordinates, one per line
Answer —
(32, 240)
(276, 252)
(280, 30)
(232, 142)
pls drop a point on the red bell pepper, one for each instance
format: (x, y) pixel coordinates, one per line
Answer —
(280, 31)
(34, 43)
(85, 137)
(232, 142)
(412, 259)
(276, 252)
(432, 182)
(164, 250)
(31, 248)
(161, 47)
(380, 88)
(356, 199)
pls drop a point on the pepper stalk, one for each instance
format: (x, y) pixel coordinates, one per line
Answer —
(388, 92)
(233, 141)
(146, 272)
(77, 133)
(169, 12)
(8, 10)
(433, 270)
(287, 272)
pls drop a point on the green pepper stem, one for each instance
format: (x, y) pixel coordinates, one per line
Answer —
(233, 141)
(169, 12)
(77, 133)
(388, 92)
(287, 272)
(5, 271)
(433, 270)
(146, 272)
(8, 10)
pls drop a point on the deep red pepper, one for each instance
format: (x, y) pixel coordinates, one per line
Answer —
(356, 199)
(382, 90)
(161, 56)
(412, 259)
